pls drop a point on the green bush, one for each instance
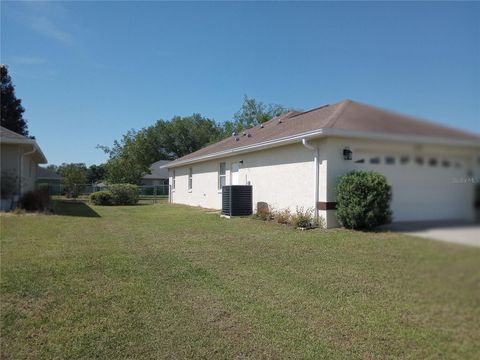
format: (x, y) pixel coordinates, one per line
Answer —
(363, 200)
(124, 194)
(101, 198)
(37, 200)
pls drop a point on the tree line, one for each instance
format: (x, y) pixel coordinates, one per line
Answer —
(130, 157)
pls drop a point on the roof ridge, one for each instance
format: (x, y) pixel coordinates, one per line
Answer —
(336, 114)
(311, 110)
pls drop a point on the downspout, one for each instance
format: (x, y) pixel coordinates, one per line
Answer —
(21, 164)
(316, 155)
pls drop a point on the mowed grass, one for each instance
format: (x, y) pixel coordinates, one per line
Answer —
(167, 281)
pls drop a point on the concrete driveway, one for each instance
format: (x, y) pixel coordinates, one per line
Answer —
(454, 232)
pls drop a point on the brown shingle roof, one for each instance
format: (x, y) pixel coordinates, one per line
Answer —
(346, 115)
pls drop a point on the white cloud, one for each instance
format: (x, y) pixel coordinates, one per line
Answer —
(46, 27)
(27, 60)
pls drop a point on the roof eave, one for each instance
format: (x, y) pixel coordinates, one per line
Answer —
(43, 159)
(327, 132)
(248, 148)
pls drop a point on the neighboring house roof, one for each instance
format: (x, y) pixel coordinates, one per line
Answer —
(346, 118)
(157, 172)
(45, 174)
(10, 137)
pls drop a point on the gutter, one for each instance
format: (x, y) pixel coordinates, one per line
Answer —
(316, 155)
(34, 150)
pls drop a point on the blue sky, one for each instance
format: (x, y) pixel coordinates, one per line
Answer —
(89, 71)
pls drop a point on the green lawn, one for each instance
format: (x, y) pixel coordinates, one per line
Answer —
(165, 281)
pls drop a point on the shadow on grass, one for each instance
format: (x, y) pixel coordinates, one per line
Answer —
(73, 208)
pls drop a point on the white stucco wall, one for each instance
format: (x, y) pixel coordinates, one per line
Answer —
(11, 162)
(282, 177)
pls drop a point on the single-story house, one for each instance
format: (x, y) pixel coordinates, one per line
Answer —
(45, 176)
(295, 160)
(20, 157)
(158, 174)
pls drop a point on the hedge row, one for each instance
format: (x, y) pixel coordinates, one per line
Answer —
(118, 194)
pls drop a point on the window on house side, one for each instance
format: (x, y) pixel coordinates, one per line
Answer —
(222, 176)
(190, 178)
(173, 180)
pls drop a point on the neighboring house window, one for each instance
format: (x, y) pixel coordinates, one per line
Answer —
(190, 178)
(222, 175)
(173, 180)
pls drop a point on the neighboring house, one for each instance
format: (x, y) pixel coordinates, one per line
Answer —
(20, 157)
(157, 176)
(45, 176)
(295, 160)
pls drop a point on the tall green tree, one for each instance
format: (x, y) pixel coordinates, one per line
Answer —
(11, 107)
(74, 175)
(254, 112)
(96, 173)
(131, 156)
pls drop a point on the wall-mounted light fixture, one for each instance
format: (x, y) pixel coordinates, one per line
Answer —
(241, 162)
(347, 153)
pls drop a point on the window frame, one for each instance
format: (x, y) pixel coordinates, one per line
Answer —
(220, 175)
(190, 179)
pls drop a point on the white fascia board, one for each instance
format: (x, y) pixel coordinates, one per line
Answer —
(328, 132)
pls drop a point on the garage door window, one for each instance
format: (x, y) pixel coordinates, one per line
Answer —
(389, 160)
(419, 160)
(446, 163)
(375, 160)
(404, 160)
(433, 162)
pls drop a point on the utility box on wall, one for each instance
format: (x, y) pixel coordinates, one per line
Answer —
(237, 200)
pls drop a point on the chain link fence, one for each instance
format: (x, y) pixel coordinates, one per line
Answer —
(148, 193)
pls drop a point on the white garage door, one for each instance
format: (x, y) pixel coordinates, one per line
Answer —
(423, 187)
